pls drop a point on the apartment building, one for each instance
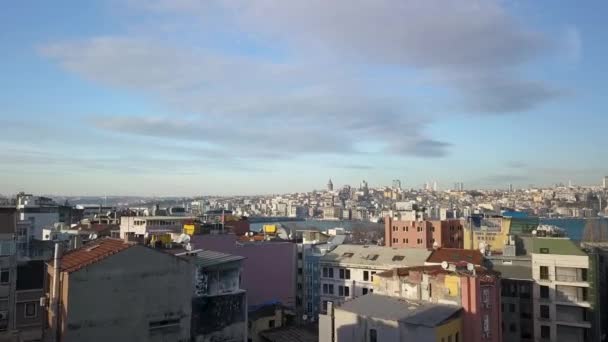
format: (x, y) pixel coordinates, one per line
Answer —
(376, 318)
(112, 290)
(423, 233)
(348, 271)
(219, 304)
(475, 289)
(144, 226)
(39, 211)
(565, 291)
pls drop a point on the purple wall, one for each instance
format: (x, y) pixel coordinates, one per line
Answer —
(268, 270)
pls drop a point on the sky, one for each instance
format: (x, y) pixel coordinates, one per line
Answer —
(195, 97)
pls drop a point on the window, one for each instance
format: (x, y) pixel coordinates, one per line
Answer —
(403, 240)
(365, 275)
(330, 272)
(486, 323)
(511, 307)
(544, 272)
(300, 270)
(545, 331)
(457, 337)
(31, 309)
(347, 273)
(544, 311)
(450, 338)
(373, 272)
(324, 272)
(271, 323)
(325, 287)
(4, 275)
(544, 292)
(330, 289)
(346, 291)
(512, 327)
(340, 290)
(364, 291)
(373, 335)
(300, 255)
(341, 273)
(407, 241)
(584, 274)
(544, 251)
(485, 296)
(398, 258)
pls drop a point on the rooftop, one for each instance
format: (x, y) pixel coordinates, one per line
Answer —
(455, 255)
(91, 253)
(208, 258)
(518, 272)
(401, 310)
(561, 246)
(292, 333)
(377, 255)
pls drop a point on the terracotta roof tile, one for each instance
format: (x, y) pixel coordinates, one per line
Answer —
(91, 253)
(456, 255)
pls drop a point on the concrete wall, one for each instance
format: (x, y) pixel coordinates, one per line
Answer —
(116, 298)
(352, 327)
(269, 270)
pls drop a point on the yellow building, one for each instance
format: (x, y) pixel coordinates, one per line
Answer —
(493, 233)
(450, 330)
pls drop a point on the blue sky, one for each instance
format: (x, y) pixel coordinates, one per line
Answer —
(186, 97)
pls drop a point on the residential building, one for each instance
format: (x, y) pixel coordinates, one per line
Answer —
(40, 211)
(348, 271)
(219, 304)
(263, 318)
(145, 226)
(423, 234)
(113, 290)
(492, 233)
(332, 213)
(473, 288)
(269, 267)
(517, 302)
(311, 272)
(8, 273)
(377, 318)
(565, 286)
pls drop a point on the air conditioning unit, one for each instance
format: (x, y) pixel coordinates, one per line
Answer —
(3, 315)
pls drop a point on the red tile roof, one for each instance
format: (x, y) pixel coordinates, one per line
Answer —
(456, 255)
(91, 253)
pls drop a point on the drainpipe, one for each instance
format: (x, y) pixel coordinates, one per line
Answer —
(54, 300)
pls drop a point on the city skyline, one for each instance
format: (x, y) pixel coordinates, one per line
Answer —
(263, 97)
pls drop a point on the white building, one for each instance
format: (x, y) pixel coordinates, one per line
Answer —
(143, 226)
(348, 271)
(40, 211)
(563, 292)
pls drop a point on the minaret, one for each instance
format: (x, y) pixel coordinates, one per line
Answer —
(330, 185)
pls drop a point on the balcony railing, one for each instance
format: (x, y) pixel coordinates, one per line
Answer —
(569, 278)
(561, 297)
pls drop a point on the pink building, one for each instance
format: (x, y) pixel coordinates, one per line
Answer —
(423, 234)
(269, 270)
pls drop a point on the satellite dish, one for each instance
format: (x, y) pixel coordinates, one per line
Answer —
(183, 238)
(534, 232)
(470, 267)
(444, 265)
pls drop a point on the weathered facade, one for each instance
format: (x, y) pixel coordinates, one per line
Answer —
(111, 290)
(219, 304)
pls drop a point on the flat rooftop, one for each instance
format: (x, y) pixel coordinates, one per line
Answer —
(401, 310)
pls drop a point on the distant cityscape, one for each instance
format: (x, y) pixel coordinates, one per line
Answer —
(451, 265)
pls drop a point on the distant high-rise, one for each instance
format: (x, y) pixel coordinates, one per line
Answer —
(458, 186)
(510, 187)
(396, 184)
(330, 185)
(605, 182)
(435, 186)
